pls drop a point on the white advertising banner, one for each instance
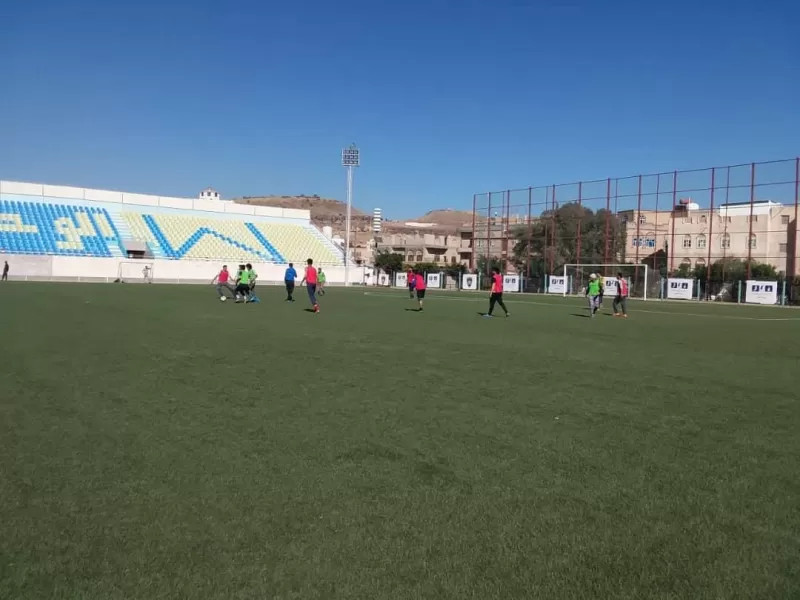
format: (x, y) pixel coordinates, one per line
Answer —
(434, 280)
(609, 286)
(511, 283)
(401, 279)
(469, 281)
(761, 292)
(556, 284)
(383, 279)
(680, 289)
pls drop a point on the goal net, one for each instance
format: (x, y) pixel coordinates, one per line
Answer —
(641, 280)
(139, 271)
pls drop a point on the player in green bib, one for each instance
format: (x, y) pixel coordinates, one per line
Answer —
(593, 294)
(320, 282)
(243, 284)
(251, 296)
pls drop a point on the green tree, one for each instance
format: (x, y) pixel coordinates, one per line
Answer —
(485, 265)
(552, 240)
(425, 267)
(735, 269)
(389, 262)
(455, 271)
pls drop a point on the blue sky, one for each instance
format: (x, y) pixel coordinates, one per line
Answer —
(444, 98)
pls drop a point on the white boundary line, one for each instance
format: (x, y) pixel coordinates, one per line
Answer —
(637, 310)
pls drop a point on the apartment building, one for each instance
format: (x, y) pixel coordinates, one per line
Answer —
(765, 232)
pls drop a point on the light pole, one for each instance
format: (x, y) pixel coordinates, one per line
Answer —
(350, 159)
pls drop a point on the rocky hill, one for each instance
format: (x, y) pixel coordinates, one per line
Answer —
(447, 217)
(327, 211)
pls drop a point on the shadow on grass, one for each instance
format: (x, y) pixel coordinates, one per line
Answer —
(583, 316)
(412, 309)
(311, 310)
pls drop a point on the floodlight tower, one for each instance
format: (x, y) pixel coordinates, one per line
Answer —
(350, 159)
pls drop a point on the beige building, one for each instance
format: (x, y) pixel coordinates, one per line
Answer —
(424, 246)
(765, 232)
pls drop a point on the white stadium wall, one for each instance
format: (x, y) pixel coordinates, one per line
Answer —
(25, 267)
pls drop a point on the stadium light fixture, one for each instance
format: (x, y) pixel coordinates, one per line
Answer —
(351, 158)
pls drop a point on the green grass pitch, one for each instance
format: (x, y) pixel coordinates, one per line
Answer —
(157, 443)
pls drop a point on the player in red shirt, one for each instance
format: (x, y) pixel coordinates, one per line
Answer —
(497, 293)
(621, 299)
(222, 281)
(411, 282)
(310, 279)
(419, 285)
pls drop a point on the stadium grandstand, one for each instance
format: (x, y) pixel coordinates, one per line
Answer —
(58, 232)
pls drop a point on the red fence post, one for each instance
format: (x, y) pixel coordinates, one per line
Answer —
(655, 232)
(580, 220)
(750, 230)
(710, 226)
(608, 217)
(796, 203)
(504, 250)
(553, 252)
(638, 231)
(546, 231)
(489, 235)
(725, 237)
(672, 219)
(474, 232)
(530, 234)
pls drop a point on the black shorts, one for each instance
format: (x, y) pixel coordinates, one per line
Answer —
(420, 294)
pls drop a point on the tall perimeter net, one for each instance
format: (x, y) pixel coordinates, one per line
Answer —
(642, 281)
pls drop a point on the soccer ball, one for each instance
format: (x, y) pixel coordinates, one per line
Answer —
(222, 298)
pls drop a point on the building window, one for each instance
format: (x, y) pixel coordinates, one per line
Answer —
(782, 248)
(725, 241)
(686, 261)
(701, 241)
(452, 260)
(752, 219)
(703, 219)
(784, 219)
(752, 242)
(642, 219)
(687, 241)
(700, 262)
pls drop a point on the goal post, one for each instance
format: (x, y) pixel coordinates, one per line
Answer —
(641, 280)
(135, 271)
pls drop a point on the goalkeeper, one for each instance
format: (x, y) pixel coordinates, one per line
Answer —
(593, 294)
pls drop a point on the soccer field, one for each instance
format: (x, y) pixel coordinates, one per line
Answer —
(157, 443)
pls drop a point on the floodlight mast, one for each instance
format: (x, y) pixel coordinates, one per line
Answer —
(350, 159)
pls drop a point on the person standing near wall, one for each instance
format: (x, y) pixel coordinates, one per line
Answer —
(5, 271)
